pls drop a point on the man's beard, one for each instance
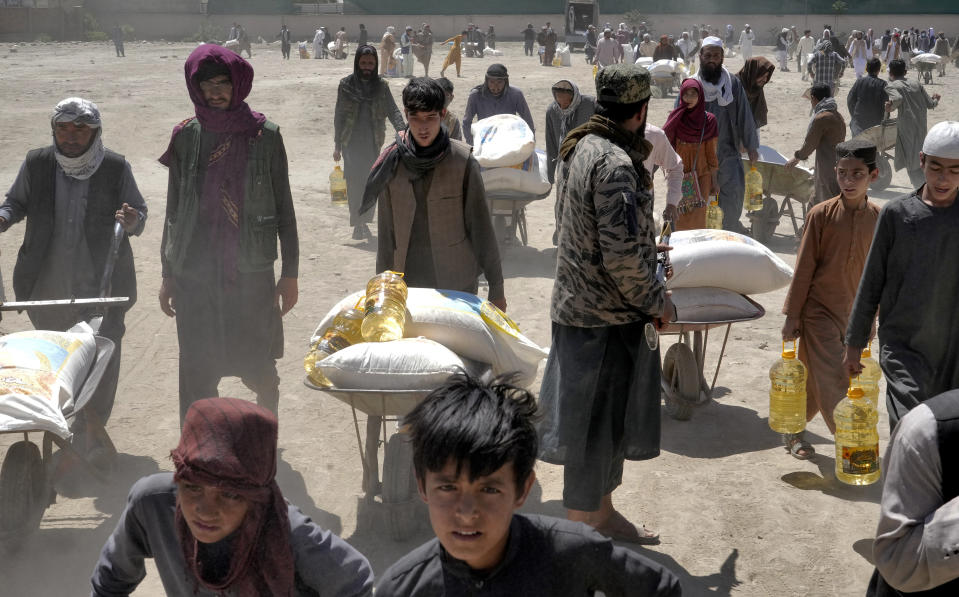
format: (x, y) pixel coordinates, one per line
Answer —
(366, 75)
(710, 73)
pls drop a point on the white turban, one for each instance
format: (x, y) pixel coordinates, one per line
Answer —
(712, 41)
(942, 140)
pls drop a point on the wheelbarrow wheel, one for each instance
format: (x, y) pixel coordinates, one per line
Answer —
(399, 486)
(680, 382)
(885, 175)
(22, 484)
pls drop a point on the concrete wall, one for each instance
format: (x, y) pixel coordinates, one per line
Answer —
(26, 24)
(173, 26)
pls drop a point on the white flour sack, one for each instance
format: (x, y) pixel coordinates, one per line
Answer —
(68, 356)
(502, 140)
(29, 402)
(407, 364)
(724, 259)
(466, 324)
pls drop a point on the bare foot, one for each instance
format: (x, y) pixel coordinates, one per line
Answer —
(617, 528)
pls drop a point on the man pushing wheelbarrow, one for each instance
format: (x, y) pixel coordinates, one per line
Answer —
(80, 202)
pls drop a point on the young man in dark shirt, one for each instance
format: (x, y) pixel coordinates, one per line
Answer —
(474, 445)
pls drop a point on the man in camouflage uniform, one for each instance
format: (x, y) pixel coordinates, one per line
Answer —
(600, 392)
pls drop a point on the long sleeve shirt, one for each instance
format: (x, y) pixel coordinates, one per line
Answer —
(918, 534)
(544, 556)
(608, 51)
(483, 104)
(325, 564)
(831, 257)
(666, 159)
(911, 281)
(866, 102)
(606, 238)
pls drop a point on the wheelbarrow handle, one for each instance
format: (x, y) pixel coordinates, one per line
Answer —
(107, 280)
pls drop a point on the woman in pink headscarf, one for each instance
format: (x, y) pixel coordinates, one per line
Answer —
(693, 133)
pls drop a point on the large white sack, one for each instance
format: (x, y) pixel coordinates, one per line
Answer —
(515, 180)
(68, 356)
(492, 52)
(564, 56)
(664, 66)
(407, 364)
(927, 57)
(502, 140)
(710, 305)
(644, 61)
(725, 259)
(455, 320)
(29, 402)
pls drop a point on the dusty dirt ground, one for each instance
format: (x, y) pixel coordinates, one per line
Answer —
(738, 516)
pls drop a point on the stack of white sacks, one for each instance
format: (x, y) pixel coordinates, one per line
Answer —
(445, 331)
(505, 148)
(713, 269)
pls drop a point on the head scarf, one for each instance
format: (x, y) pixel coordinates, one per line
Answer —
(691, 125)
(569, 114)
(355, 87)
(752, 71)
(79, 111)
(236, 128)
(721, 92)
(231, 444)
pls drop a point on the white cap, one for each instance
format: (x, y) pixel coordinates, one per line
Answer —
(712, 41)
(942, 140)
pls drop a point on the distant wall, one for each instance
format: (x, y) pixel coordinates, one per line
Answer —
(178, 26)
(23, 23)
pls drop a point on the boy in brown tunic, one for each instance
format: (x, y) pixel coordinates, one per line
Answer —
(830, 261)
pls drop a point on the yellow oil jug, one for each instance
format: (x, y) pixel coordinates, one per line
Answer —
(337, 186)
(753, 199)
(385, 317)
(714, 214)
(787, 393)
(857, 440)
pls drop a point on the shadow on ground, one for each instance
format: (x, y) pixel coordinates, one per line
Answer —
(827, 483)
(706, 434)
(65, 549)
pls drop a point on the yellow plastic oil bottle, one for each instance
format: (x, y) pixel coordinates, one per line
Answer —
(787, 393)
(595, 70)
(753, 199)
(385, 308)
(337, 186)
(343, 331)
(857, 440)
(868, 380)
(714, 214)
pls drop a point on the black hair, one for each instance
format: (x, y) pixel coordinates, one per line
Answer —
(477, 424)
(859, 149)
(619, 112)
(820, 91)
(446, 84)
(873, 66)
(209, 69)
(423, 94)
(897, 68)
(807, 32)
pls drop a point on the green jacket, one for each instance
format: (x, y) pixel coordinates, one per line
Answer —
(258, 217)
(348, 100)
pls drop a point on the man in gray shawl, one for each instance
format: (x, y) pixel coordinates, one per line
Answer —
(569, 110)
(726, 100)
(72, 193)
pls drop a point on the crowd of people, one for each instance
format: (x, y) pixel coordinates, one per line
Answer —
(220, 523)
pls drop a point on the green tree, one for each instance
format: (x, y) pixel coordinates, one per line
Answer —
(839, 7)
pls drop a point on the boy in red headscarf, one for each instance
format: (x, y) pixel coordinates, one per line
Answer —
(228, 202)
(693, 133)
(219, 524)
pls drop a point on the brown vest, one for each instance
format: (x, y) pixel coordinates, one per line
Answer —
(453, 258)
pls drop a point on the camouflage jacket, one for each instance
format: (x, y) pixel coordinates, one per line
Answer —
(606, 261)
(382, 107)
